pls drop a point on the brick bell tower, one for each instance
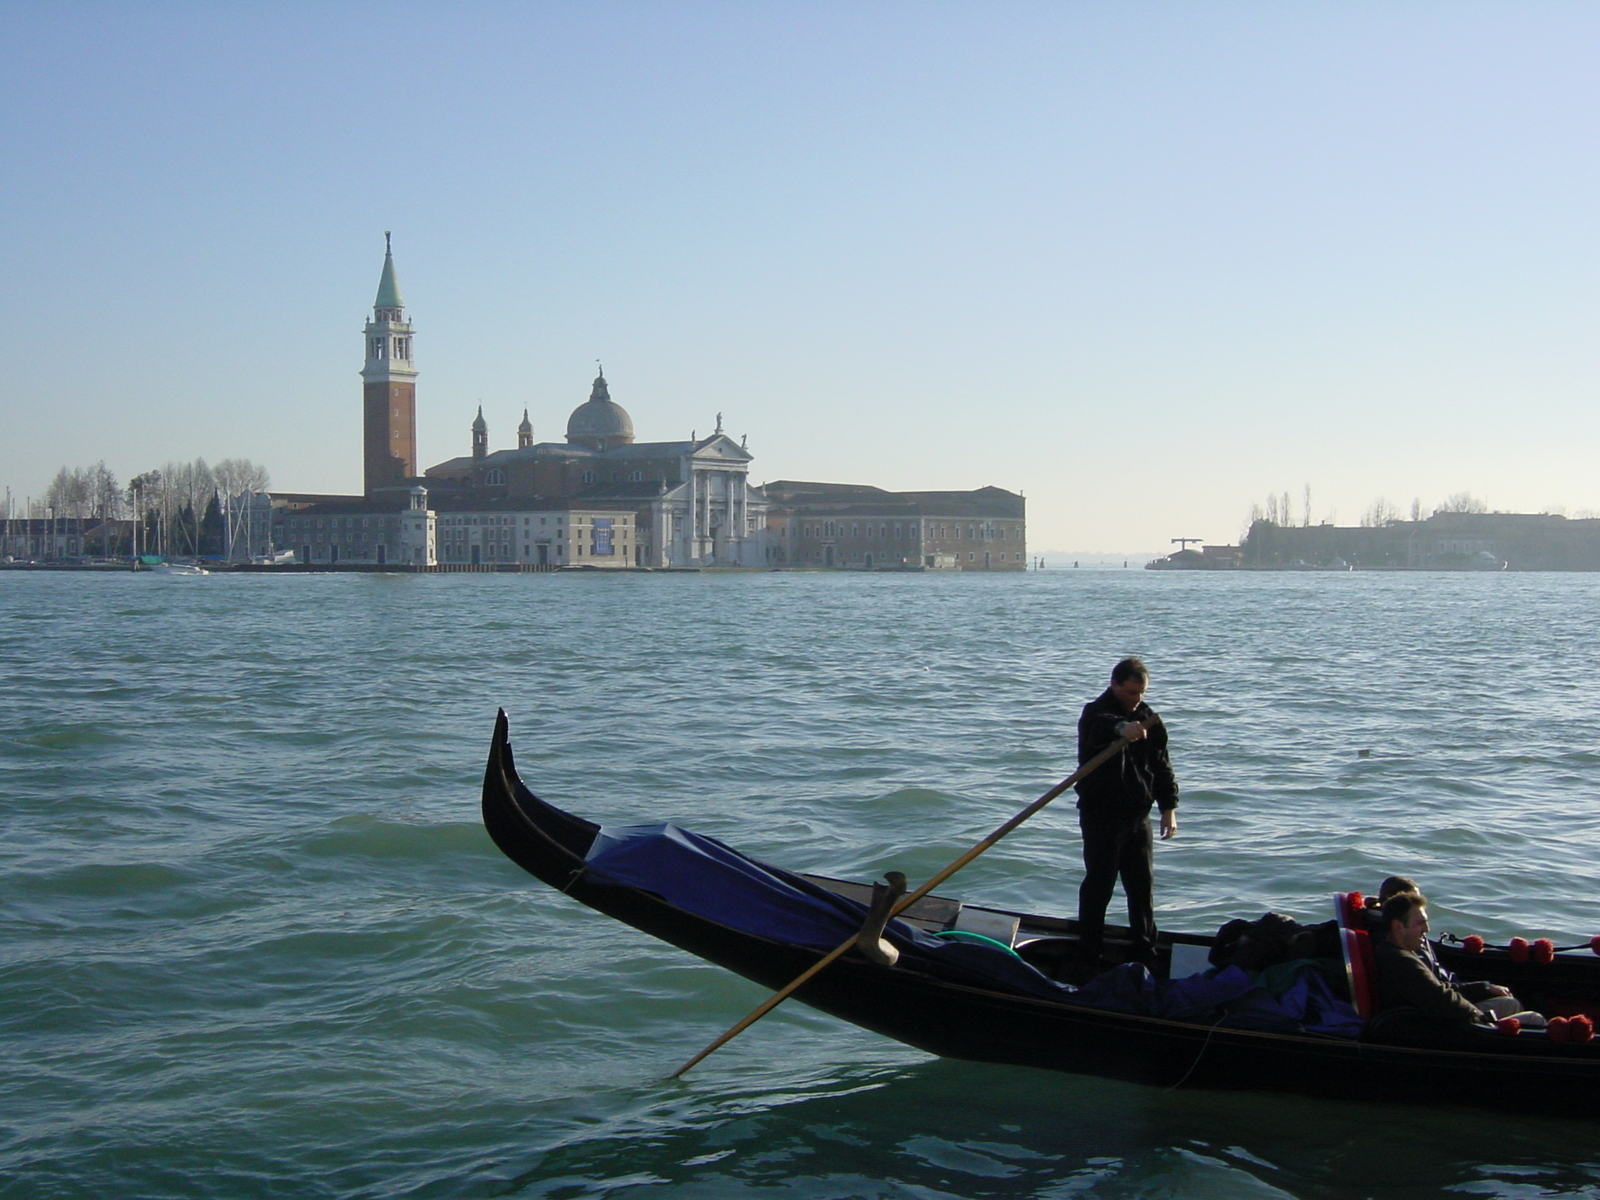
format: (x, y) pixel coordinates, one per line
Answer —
(389, 383)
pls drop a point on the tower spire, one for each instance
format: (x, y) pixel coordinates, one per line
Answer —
(480, 435)
(388, 287)
(389, 411)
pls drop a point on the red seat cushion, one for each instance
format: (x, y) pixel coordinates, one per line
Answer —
(1361, 970)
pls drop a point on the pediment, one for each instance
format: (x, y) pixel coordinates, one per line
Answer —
(724, 448)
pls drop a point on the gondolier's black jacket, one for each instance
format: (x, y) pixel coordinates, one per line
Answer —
(1133, 780)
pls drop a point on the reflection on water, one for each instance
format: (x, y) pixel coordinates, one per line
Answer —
(255, 942)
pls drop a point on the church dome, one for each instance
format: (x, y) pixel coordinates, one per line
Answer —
(599, 422)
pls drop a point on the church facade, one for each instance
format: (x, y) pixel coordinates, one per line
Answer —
(602, 499)
(691, 501)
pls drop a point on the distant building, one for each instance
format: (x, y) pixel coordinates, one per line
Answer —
(50, 539)
(601, 498)
(1446, 541)
(690, 502)
(852, 525)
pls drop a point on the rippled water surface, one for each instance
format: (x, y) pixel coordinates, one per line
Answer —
(254, 941)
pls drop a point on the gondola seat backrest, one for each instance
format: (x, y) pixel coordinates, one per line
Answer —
(1359, 966)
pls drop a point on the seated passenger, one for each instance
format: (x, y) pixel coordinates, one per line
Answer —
(1491, 998)
(1405, 978)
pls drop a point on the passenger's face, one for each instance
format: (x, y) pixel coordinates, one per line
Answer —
(1414, 932)
(1129, 692)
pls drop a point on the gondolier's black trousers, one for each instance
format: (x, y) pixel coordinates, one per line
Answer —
(1116, 845)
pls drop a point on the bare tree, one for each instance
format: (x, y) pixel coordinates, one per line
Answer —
(237, 480)
(1463, 502)
(189, 488)
(69, 493)
(105, 500)
(1380, 514)
(143, 491)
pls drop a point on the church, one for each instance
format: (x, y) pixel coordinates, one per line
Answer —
(598, 499)
(602, 499)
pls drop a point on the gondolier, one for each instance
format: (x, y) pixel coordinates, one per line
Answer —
(1114, 808)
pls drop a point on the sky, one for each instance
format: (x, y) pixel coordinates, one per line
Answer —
(1145, 263)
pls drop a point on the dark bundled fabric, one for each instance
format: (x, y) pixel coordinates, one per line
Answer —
(1131, 988)
(702, 876)
(1232, 997)
(1295, 996)
(1271, 939)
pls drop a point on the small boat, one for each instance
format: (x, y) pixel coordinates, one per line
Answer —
(992, 985)
(172, 568)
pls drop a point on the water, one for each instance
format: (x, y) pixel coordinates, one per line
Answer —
(254, 942)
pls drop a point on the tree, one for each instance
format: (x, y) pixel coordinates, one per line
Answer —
(237, 480)
(68, 493)
(144, 490)
(189, 488)
(1381, 513)
(1463, 502)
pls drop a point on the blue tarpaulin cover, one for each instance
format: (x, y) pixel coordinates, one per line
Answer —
(702, 876)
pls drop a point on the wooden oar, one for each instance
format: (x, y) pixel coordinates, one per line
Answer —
(906, 902)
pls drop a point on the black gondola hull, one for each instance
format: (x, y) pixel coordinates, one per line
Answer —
(958, 1020)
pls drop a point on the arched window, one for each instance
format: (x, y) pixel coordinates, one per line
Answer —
(494, 478)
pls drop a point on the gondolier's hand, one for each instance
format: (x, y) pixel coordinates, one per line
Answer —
(1169, 823)
(1132, 730)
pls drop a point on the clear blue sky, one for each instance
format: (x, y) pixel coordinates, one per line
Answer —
(1146, 263)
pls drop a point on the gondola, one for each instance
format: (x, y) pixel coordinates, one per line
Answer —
(987, 984)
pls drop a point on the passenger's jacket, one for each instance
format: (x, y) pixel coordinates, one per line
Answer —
(1405, 979)
(1141, 775)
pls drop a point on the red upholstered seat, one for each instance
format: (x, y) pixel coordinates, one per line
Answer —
(1359, 966)
(1361, 971)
